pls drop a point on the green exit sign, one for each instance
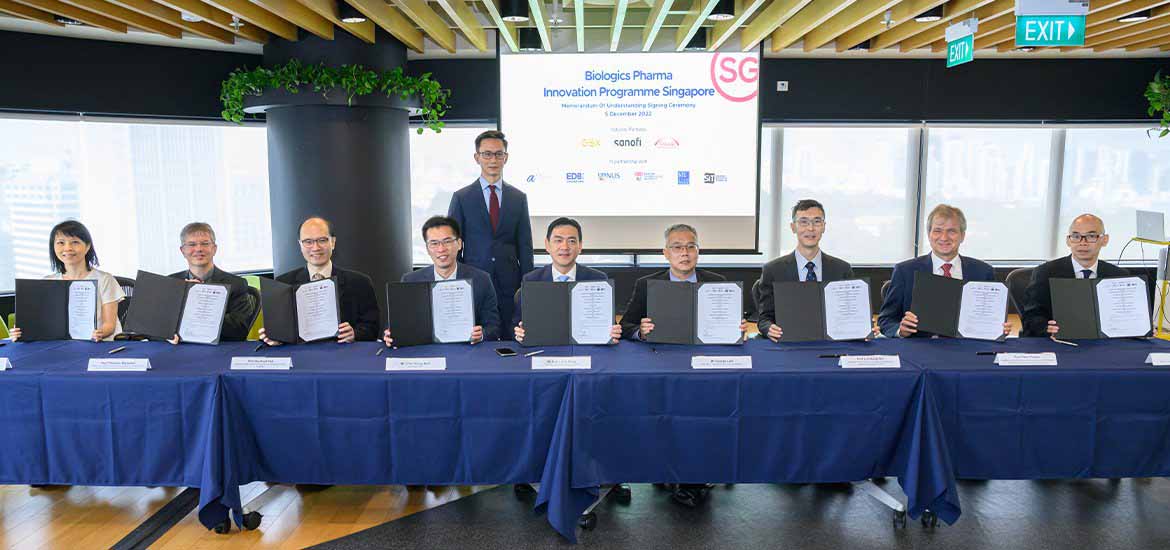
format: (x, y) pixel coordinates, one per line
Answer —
(961, 51)
(1050, 30)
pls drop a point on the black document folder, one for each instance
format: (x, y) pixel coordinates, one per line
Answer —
(800, 311)
(547, 312)
(157, 308)
(673, 308)
(1075, 309)
(42, 307)
(408, 310)
(281, 319)
(936, 300)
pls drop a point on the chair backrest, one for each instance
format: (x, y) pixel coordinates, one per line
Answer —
(755, 316)
(12, 319)
(127, 285)
(885, 289)
(3, 329)
(1017, 282)
(258, 316)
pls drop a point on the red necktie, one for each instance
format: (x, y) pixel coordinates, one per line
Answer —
(946, 270)
(494, 207)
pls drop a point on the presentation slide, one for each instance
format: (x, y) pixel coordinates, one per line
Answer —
(631, 143)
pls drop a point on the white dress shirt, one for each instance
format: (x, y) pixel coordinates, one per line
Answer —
(454, 273)
(556, 274)
(1078, 269)
(802, 266)
(956, 265)
(325, 272)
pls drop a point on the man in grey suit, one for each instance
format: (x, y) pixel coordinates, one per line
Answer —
(806, 263)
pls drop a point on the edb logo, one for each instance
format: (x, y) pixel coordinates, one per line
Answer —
(735, 77)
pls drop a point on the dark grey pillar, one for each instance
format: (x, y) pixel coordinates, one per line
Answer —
(347, 163)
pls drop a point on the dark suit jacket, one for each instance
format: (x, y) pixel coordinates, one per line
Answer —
(901, 291)
(237, 318)
(584, 273)
(1037, 306)
(783, 269)
(506, 253)
(636, 308)
(486, 313)
(358, 305)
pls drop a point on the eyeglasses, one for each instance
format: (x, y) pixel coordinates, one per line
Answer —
(498, 155)
(680, 248)
(1086, 238)
(439, 245)
(201, 244)
(810, 222)
(319, 241)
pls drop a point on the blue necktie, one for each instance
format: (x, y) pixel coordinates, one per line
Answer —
(812, 272)
(562, 278)
(1086, 273)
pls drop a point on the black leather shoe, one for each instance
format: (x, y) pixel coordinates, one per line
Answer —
(685, 497)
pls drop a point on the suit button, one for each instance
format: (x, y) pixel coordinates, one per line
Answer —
(493, 259)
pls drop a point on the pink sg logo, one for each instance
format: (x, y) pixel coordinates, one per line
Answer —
(735, 78)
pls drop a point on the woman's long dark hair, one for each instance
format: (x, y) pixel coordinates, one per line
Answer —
(71, 228)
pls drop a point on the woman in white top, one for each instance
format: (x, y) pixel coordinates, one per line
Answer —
(73, 257)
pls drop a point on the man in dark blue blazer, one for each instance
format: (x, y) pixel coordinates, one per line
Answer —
(443, 242)
(946, 226)
(563, 243)
(497, 234)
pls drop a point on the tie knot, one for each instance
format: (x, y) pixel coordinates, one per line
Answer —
(317, 277)
(562, 278)
(946, 269)
(810, 265)
(1087, 273)
(493, 188)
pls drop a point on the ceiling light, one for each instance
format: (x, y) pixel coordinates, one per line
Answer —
(190, 17)
(723, 11)
(67, 21)
(529, 39)
(349, 14)
(698, 42)
(1136, 17)
(931, 15)
(514, 11)
(1025, 49)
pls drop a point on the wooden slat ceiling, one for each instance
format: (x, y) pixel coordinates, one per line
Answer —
(798, 26)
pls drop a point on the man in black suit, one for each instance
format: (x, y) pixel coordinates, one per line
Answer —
(497, 233)
(813, 265)
(1086, 237)
(358, 303)
(563, 242)
(443, 240)
(197, 244)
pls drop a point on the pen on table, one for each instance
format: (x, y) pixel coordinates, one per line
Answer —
(116, 350)
(1065, 342)
(260, 346)
(380, 350)
(831, 355)
(985, 353)
(537, 352)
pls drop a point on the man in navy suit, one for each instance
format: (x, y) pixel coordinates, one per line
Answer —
(946, 226)
(443, 241)
(497, 234)
(563, 243)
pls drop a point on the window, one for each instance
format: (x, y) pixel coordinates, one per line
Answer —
(440, 163)
(134, 185)
(1112, 172)
(999, 177)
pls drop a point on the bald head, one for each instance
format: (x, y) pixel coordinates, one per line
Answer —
(1086, 238)
(1086, 223)
(318, 223)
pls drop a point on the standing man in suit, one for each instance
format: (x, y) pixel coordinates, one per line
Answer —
(197, 244)
(358, 303)
(812, 265)
(1086, 237)
(443, 241)
(946, 227)
(497, 234)
(563, 242)
(682, 251)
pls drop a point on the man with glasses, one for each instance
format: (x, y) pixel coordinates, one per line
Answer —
(497, 234)
(806, 263)
(197, 244)
(946, 227)
(1086, 237)
(443, 241)
(358, 303)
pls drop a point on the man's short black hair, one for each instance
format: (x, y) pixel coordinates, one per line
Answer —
(441, 221)
(490, 134)
(564, 221)
(805, 204)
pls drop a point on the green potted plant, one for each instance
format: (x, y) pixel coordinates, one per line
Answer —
(1158, 93)
(354, 80)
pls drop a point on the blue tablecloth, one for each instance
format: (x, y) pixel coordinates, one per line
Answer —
(62, 425)
(1100, 413)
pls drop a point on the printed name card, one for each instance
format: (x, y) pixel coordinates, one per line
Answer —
(1047, 358)
(261, 363)
(870, 362)
(562, 363)
(119, 365)
(400, 364)
(1155, 359)
(721, 362)
(5, 364)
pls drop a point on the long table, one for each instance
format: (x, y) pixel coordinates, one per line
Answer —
(641, 414)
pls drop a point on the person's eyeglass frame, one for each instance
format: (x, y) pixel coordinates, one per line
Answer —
(319, 241)
(809, 222)
(680, 248)
(443, 244)
(1091, 238)
(200, 244)
(497, 155)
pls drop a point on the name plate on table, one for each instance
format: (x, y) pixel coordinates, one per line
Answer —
(399, 364)
(562, 363)
(721, 362)
(1046, 358)
(870, 362)
(119, 365)
(261, 363)
(5, 364)
(1155, 359)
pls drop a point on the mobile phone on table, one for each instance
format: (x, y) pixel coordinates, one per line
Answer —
(505, 352)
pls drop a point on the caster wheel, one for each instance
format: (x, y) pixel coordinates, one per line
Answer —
(622, 493)
(252, 520)
(929, 519)
(587, 521)
(523, 490)
(900, 519)
(224, 527)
